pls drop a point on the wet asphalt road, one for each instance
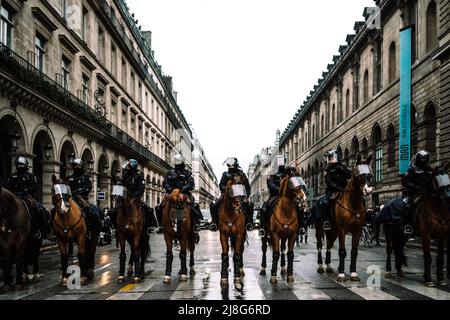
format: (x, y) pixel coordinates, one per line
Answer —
(308, 285)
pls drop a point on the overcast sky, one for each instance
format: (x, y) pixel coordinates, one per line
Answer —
(242, 68)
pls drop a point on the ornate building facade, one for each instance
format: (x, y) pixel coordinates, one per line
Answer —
(78, 78)
(354, 107)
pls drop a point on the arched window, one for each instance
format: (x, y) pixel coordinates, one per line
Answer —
(313, 133)
(346, 156)
(377, 148)
(333, 116)
(339, 151)
(432, 40)
(390, 136)
(366, 87)
(414, 132)
(364, 149)
(322, 126)
(392, 62)
(355, 148)
(430, 129)
(347, 103)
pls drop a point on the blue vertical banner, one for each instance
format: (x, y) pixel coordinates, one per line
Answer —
(405, 99)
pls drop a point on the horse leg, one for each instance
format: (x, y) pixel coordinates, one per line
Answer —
(225, 259)
(122, 258)
(319, 249)
(237, 261)
(136, 249)
(191, 257)
(440, 263)
(290, 258)
(398, 246)
(275, 257)
(241, 267)
(389, 248)
(283, 257)
(330, 243)
(169, 258)
(81, 245)
(19, 264)
(448, 258)
(35, 261)
(183, 258)
(342, 256)
(64, 261)
(354, 256)
(426, 247)
(264, 256)
(130, 269)
(8, 278)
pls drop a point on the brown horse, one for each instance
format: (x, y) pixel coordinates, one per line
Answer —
(284, 223)
(177, 224)
(232, 227)
(433, 222)
(68, 225)
(130, 228)
(349, 215)
(15, 227)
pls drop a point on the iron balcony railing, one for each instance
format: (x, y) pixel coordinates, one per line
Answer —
(27, 74)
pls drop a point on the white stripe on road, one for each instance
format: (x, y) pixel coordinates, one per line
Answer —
(304, 291)
(372, 294)
(433, 293)
(190, 289)
(135, 291)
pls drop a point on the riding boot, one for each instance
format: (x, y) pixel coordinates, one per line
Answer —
(407, 218)
(196, 216)
(262, 220)
(326, 214)
(159, 216)
(85, 212)
(83, 265)
(147, 218)
(214, 209)
(248, 217)
(301, 224)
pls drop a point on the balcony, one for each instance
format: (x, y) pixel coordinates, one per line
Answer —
(28, 75)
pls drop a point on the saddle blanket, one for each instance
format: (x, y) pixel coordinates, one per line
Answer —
(392, 211)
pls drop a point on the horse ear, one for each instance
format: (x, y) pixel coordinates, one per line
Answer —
(358, 159)
(369, 160)
(54, 180)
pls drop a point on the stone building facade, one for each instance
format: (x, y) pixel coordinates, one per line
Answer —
(78, 78)
(354, 107)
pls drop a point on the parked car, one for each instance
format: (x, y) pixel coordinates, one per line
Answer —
(207, 220)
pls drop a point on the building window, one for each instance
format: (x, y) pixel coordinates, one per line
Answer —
(355, 147)
(430, 129)
(347, 103)
(140, 94)
(114, 111)
(414, 131)
(364, 149)
(101, 45)
(391, 146)
(377, 82)
(356, 87)
(85, 89)
(313, 134)
(412, 21)
(65, 72)
(63, 6)
(377, 143)
(322, 126)
(124, 73)
(366, 87)
(132, 85)
(333, 116)
(124, 120)
(113, 61)
(392, 62)
(39, 53)
(6, 26)
(85, 25)
(432, 40)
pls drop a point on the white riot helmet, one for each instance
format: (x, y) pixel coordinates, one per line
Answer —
(232, 163)
(280, 162)
(178, 160)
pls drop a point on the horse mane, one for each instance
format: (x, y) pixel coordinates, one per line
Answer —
(284, 185)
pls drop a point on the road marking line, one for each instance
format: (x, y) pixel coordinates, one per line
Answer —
(433, 293)
(127, 288)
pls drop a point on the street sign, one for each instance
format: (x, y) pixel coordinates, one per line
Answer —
(101, 196)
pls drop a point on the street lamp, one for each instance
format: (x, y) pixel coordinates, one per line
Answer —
(48, 151)
(91, 165)
(71, 157)
(15, 137)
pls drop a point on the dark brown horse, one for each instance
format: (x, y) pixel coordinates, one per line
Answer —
(284, 223)
(349, 215)
(130, 228)
(68, 225)
(177, 224)
(395, 241)
(433, 222)
(14, 229)
(232, 227)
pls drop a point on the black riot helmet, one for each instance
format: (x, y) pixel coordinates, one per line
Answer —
(130, 166)
(422, 159)
(332, 156)
(21, 164)
(77, 165)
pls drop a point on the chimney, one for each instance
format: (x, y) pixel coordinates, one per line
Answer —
(168, 82)
(175, 95)
(148, 37)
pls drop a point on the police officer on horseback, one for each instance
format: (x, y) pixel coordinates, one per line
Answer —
(273, 184)
(233, 170)
(24, 184)
(336, 177)
(80, 184)
(134, 182)
(418, 180)
(181, 178)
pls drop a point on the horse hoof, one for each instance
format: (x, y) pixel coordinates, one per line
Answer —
(121, 279)
(354, 277)
(283, 271)
(192, 272)
(429, 284)
(238, 285)
(90, 274)
(137, 280)
(290, 279)
(241, 272)
(262, 272)
(320, 269)
(84, 281)
(64, 282)
(183, 278)
(167, 279)
(341, 278)
(330, 270)
(36, 278)
(273, 279)
(130, 272)
(388, 275)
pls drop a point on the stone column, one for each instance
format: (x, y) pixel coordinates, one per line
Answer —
(49, 168)
(104, 185)
(93, 193)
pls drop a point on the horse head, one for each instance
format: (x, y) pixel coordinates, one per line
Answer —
(362, 175)
(119, 195)
(177, 198)
(441, 180)
(61, 195)
(236, 193)
(293, 186)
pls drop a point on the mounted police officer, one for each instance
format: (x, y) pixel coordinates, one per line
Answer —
(336, 178)
(134, 182)
(418, 180)
(181, 178)
(273, 184)
(80, 184)
(233, 170)
(24, 184)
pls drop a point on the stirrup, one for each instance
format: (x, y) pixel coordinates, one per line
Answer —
(213, 227)
(327, 226)
(261, 233)
(302, 231)
(249, 227)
